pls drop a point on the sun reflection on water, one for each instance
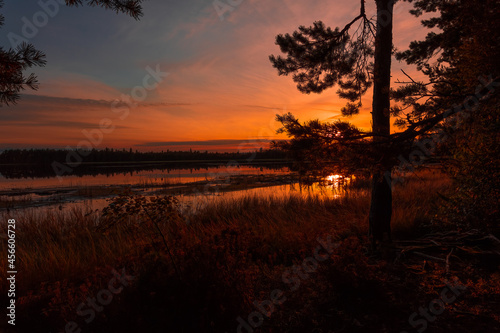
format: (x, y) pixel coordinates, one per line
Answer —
(334, 178)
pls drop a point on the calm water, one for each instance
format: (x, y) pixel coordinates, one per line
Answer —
(137, 177)
(198, 186)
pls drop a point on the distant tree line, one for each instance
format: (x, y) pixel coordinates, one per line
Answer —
(41, 157)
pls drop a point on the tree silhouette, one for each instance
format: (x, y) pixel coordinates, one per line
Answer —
(13, 62)
(319, 58)
(466, 50)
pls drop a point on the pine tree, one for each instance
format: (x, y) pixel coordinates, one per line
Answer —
(462, 53)
(13, 62)
(319, 58)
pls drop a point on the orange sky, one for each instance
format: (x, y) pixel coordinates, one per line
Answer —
(221, 85)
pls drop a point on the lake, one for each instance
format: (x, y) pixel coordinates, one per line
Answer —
(195, 184)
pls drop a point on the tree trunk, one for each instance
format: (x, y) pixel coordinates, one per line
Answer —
(381, 197)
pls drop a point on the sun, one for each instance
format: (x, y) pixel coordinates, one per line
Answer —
(333, 178)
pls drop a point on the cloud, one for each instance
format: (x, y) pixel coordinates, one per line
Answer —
(248, 145)
(67, 124)
(66, 100)
(203, 143)
(56, 83)
(221, 82)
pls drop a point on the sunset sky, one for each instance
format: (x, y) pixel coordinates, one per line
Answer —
(221, 92)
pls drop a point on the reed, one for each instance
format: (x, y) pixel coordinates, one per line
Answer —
(231, 247)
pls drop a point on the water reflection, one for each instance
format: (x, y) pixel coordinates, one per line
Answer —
(101, 176)
(333, 178)
(193, 189)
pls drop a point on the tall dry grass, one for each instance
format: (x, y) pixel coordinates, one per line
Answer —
(229, 248)
(66, 244)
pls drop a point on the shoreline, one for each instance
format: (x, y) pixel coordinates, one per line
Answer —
(48, 196)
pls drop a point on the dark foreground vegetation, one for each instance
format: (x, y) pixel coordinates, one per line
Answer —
(304, 263)
(200, 274)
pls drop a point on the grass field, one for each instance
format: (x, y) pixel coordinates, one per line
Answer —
(202, 274)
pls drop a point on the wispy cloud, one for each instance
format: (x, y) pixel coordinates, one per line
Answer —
(203, 143)
(221, 83)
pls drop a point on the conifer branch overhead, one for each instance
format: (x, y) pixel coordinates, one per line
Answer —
(319, 58)
(13, 62)
(130, 7)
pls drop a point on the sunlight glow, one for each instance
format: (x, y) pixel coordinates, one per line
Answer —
(333, 178)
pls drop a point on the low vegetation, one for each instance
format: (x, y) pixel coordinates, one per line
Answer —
(202, 273)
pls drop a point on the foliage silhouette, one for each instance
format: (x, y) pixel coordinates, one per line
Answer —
(13, 62)
(319, 57)
(152, 211)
